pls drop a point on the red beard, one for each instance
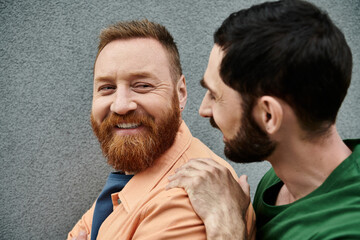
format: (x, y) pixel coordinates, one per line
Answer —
(135, 153)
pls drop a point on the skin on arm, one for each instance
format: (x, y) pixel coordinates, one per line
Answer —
(219, 200)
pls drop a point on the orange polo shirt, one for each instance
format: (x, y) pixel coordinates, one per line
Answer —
(145, 210)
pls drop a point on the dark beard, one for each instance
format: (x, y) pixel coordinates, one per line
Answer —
(138, 152)
(251, 143)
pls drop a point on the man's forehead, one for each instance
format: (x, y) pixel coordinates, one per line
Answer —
(212, 74)
(145, 50)
(133, 58)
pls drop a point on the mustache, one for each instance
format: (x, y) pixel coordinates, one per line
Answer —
(213, 123)
(114, 119)
(133, 117)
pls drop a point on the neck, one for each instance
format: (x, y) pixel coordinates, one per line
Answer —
(304, 165)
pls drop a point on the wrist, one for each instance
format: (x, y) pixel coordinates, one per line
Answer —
(227, 228)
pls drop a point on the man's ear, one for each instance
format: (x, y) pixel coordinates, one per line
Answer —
(181, 92)
(269, 114)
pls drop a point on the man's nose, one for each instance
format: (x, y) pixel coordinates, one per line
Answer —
(123, 102)
(205, 108)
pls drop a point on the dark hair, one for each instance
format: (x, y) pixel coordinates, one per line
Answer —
(144, 29)
(289, 49)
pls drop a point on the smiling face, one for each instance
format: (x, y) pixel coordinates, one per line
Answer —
(244, 140)
(135, 109)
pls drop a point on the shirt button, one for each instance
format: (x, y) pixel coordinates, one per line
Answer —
(119, 201)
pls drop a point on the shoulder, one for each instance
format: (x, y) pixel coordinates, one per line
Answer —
(354, 145)
(266, 181)
(175, 199)
(169, 215)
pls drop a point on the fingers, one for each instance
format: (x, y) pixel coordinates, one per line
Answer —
(244, 184)
(196, 164)
(174, 183)
(183, 176)
(186, 171)
(196, 169)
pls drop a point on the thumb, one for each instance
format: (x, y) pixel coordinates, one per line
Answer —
(244, 184)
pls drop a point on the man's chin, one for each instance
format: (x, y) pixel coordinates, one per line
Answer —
(239, 156)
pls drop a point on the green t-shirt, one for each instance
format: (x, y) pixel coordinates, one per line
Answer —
(332, 211)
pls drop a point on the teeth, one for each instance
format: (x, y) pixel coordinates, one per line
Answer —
(127, 125)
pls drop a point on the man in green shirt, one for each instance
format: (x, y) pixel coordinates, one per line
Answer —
(276, 78)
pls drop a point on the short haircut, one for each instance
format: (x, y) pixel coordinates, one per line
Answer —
(292, 50)
(144, 29)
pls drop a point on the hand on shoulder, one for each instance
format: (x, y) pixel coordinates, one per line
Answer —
(219, 199)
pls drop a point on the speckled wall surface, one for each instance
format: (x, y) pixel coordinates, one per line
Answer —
(52, 168)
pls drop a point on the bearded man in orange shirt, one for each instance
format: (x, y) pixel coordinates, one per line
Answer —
(138, 96)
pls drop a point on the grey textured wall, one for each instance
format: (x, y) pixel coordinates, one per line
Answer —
(51, 165)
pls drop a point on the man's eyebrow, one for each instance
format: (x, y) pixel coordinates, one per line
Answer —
(142, 75)
(103, 78)
(203, 83)
(131, 76)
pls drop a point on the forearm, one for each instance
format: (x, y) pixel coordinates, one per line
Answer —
(231, 224)
(226, 227)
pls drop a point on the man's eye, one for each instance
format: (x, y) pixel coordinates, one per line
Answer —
(211, 96)
(106, 88)
(142, 87)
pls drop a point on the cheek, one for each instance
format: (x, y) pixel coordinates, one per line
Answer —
(156, 106)
(219, 118)
(222, 124)
(225, 121)
(156, 110)
(218, 113)
(100, 109)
